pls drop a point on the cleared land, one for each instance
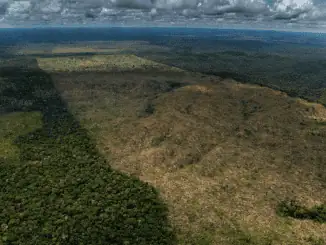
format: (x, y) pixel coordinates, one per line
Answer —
(101, 63)
(99, 47)
(222, 154)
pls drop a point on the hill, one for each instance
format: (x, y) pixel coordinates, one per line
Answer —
(223, 154)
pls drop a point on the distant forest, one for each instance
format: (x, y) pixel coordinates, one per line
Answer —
(288, 61)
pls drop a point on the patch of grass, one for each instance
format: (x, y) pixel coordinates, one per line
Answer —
(317, 128)
(315, 241)
(202, 238)
(321, 123)
(146, 109)
(291, 208)
(237, 236)
(156, 141)
(108, 63)
(316, 132)
(19, 123)
(322, 98)
(249, 107)
(59, 190)
(13, 125)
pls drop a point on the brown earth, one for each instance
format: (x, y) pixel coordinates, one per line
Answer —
(222, 154)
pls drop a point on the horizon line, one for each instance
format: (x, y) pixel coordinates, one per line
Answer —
(315, 31)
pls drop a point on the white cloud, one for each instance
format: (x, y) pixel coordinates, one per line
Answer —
(177, 11)
(153, 11)
(18, 7)
(51, 6)
(284, 5)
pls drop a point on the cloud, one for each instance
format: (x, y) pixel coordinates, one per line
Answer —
(18, 9)
(302, 12)
(50, 6)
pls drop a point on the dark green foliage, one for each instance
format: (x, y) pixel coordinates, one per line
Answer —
(238, 236)
(149, 108)
(299, 72)
(146, 109)
(322, 98)
(249, 107)
(200, 238)
(156, 141)
(62, 191)
(174, 85)
(291, 208)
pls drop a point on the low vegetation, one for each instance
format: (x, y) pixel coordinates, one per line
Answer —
(104, 63)
(13, 125)
(291, 208)
(82, 48)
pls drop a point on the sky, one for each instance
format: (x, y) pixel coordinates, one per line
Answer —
(269, 14)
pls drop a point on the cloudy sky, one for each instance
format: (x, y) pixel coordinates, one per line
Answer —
(280, 14)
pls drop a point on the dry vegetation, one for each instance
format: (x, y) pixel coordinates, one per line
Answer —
(101, 63)
(222, 154)
(96, 47)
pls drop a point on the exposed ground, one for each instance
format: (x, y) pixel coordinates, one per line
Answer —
(221, 153)
(96, 47)
(102, 63)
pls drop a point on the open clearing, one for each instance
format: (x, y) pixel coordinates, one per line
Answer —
(95, 47)
(222, 154)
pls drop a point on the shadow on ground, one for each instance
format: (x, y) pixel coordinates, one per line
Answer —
(59, 189)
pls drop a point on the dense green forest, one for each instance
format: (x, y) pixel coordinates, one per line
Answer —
(296, 70)
(55, 187)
